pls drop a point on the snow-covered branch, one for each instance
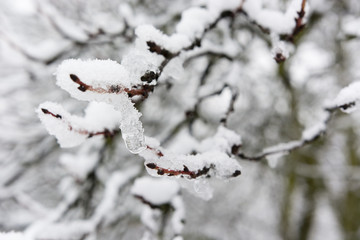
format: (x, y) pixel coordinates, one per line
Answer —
(346, 101)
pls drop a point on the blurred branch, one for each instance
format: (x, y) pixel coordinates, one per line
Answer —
(285, 148)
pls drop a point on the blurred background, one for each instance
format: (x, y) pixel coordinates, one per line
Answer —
(311, 193)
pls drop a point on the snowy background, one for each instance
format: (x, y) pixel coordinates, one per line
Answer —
(155, 119)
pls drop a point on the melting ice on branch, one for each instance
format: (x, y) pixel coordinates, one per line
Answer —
(109, 82)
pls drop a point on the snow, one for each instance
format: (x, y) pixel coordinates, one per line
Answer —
(282, 147)
(108, 23)
(222, 141)
(314, 131)
(215, 107)
(59, 127)
(216, 6)
(139, 60)
(117, 180)
(27, 7)
(218, 163)
(84, 161)
(348, 95)
(173, 43)
(66, 27)
(157, 191)
(194, 21)
(279, 47)
(178, 217)
(12, 236)
(47, 49)
(174, 70)
(71, 130)
(351, 25)
(97, 73)
(275, 20)
(100, 75)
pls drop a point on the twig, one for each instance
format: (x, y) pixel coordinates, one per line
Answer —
(286, 148)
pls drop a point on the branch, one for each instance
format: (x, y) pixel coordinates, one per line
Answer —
(312, 135)
(189, 166)
(299, 25)
(106, 132)
(142, 90)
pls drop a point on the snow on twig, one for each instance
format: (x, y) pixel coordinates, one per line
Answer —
(345, 101)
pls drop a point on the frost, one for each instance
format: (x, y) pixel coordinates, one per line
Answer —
(348, 97)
